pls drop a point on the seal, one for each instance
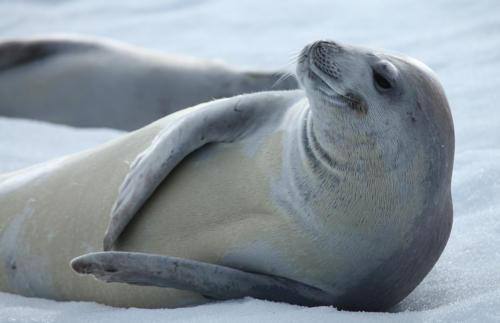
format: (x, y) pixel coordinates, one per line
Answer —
(89, 82)
(340, 196)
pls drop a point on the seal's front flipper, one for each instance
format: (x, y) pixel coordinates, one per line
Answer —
(213, 281)
(221, 121)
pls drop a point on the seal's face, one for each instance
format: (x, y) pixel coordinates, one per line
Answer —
(361, 84)
(360, 96)
(349, 76)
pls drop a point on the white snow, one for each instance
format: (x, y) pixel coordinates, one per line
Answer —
(460, 40)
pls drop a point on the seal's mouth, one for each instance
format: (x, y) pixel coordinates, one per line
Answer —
(352, 100)
(311, 66)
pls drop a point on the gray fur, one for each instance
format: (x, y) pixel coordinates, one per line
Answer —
(366, 171)
(100, 83)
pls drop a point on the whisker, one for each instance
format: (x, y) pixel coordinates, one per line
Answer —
(283, 77)
(295, 56)
(288, 69)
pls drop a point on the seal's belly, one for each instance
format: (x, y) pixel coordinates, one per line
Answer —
(214, 204)
(217, 195)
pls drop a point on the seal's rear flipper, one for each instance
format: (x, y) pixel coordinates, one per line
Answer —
(16, 53)
(213, 281)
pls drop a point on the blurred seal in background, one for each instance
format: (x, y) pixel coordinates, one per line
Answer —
(89, 82)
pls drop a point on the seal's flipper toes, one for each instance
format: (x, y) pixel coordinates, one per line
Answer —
(81, 265)
(116, 225)
(90, 264)
(121, 213)
(109, 240)
(213, 281)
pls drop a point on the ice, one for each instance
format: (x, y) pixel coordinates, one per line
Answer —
(460, 40)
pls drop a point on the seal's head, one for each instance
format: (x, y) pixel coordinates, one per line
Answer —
(360, 96)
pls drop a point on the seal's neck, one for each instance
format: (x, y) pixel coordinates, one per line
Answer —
(338, 150)
(351, 204)
(327, 180)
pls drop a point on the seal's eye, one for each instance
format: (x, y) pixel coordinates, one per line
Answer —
(385, 76)
(381, 81)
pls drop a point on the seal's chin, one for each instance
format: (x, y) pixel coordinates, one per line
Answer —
(327, 93)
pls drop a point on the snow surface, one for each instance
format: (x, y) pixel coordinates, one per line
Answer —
(460, 40)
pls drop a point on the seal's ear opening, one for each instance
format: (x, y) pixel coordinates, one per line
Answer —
(212, 281)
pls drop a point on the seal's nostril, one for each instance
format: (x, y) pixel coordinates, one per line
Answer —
(328, 45)
(324, 54)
